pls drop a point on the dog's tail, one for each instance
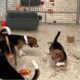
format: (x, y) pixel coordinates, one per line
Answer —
(55, 39)
(37, 71)
(5, 29)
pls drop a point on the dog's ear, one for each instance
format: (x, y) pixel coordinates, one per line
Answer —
(32, 42)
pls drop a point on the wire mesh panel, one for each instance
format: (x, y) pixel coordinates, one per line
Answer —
(61, 18)
(6, 5)
(2, 9)
(59, 11)
(11, 4)
(52, 11)
(58, 6)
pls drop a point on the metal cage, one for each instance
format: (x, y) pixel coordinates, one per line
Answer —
(56, 11)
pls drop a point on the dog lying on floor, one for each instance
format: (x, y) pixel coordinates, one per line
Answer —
(57, 51)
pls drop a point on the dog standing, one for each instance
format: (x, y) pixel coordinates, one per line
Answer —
(57, 51)
(18, 40)
(7, 49)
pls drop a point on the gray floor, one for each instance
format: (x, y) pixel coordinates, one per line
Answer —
(45, 34)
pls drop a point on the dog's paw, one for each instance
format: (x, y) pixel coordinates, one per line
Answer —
(60, 64)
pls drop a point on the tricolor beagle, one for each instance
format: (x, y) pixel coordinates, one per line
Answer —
(7, 49)
(18, 40)
(57, 51)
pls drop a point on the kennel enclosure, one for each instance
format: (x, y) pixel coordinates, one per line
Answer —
(52, 11)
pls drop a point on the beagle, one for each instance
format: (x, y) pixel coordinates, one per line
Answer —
(7, 49)
(18, 40)
(57, 51)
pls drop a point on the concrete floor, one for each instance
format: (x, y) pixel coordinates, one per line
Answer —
(45, 34)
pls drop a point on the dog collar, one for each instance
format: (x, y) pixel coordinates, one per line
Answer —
(25, 38)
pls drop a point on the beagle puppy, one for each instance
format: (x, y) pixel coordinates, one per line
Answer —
(17, 40)
(57, 51)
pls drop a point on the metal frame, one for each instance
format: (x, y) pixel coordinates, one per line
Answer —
(78, 12)
(45, 12)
